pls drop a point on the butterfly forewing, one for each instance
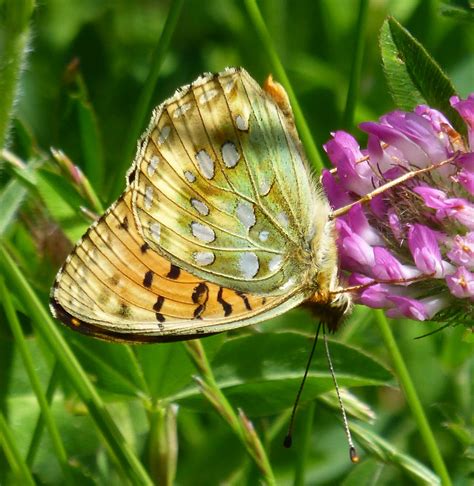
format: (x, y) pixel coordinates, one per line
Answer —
(115, 286)
(221, 188)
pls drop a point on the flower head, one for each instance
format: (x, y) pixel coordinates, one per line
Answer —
(408, 246)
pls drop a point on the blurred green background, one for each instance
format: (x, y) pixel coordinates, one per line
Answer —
(86, 67)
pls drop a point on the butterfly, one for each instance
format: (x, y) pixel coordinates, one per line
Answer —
(221, 224)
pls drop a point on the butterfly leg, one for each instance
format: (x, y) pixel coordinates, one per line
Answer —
(379, 190)
(400, 281)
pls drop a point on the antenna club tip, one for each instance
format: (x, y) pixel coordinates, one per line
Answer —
(354, 456)
(288, 441)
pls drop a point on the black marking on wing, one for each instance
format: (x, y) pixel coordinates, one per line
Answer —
(198, 311)
(124, 224)
(157, 307)
(200, 296)
(245, 299)
(148, 279)
(159, 303)
(144, 247)
(174, 272)
(225, 305)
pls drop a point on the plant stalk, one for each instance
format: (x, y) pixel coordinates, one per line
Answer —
(14, 34)
(411, 396)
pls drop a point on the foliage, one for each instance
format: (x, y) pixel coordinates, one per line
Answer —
(76, 409)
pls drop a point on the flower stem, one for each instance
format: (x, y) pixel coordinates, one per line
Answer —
(412, 399)
(265, 38)
(14, 34)
(163, 444)
(241, 425)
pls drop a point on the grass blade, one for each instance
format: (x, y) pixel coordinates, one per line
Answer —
(39, 427)
(18, 465)
(384, 451)
(265, 38)
(141, 112)
(17, 332)
(356, 69)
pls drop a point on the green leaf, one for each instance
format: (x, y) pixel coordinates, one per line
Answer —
(261, 373)
(112, 365)
(62, 202)
(364, 473)
(91, 142)
(11, 197)
(386, 452)
(412, 75)
(154, 371)
(167, 368)
(458, 9)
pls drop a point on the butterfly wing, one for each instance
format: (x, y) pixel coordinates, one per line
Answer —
(221, 188)
(115, 286)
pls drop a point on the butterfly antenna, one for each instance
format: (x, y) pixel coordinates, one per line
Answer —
(289, 439)
(352, 450)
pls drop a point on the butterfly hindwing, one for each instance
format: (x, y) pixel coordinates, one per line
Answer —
(221, 188)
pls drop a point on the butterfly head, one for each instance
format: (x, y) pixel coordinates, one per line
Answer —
(331, 308)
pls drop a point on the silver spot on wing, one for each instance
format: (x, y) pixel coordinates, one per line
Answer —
(164, 134)
(241, 123)
(246, 214)
(155, 230)
(206, 164)
(204, 258)
(200, 207)
(249, 264)
(230, 155)
(202, 232)
(190, 177)
(152, 165)
(148, 202)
